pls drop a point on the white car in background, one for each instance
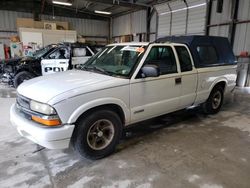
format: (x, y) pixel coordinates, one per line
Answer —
(121, 85)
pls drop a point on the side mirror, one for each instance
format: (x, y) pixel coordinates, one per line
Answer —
(150, 71)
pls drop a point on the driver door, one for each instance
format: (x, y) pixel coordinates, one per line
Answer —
(57, 61)
(154, 96)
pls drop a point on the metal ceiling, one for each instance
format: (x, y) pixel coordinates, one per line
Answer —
(79, 8)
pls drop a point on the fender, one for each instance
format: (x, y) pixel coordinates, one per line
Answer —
(216, 81)
(98, 102)
(203, 95)
(32, 66)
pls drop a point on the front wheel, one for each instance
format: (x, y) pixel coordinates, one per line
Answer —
(21, 77)
(215, 101)
(97, 134)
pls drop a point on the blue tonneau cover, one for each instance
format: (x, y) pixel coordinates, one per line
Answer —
(221, 45)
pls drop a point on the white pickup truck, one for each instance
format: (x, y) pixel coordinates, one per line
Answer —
(123, 84)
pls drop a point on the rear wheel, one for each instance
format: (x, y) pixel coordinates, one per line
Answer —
(21, 77)
(97, 134)
(215, 101)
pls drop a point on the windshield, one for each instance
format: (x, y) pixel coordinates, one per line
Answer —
(41, 52)
(115, 60)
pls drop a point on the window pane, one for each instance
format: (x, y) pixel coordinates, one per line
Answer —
(207, 55)
(61, 53)
(79, 52)
(164, 58)
(184, 58)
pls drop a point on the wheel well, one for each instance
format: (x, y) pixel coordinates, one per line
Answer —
(21, 70)
(221, 84)
(113, 107)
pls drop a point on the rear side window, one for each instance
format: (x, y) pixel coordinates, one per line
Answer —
(184, 58)
(164, 58)
(60, 53)
(207, 55)
(81, 52)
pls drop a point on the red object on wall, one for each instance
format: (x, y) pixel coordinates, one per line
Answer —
(7, 52)
(244, 54)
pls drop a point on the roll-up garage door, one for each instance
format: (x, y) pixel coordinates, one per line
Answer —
(180, 18)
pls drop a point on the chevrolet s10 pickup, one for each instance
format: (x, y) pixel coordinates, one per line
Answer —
(123, 84)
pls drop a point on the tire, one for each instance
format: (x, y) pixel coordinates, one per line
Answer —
(93, 142)
(214, 101)
(21, 77)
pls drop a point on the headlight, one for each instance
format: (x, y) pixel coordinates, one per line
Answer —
(50, 118)
(42, 108)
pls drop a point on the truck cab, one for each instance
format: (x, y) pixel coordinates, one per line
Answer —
(123, 84)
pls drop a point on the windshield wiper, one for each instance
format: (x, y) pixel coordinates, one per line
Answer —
(99, 69)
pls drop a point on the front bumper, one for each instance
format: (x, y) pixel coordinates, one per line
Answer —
(49, 137)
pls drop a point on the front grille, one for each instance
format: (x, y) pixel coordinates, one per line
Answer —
(23, 102)
(23, 106)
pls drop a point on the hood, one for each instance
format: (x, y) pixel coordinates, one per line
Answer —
(27, 58)
(60, 86)
(17, 60)
(12, 60)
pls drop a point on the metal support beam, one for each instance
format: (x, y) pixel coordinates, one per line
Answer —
(124, 13)
(110, 30)
(208, 16)
(122, 3)
(42, 6)
(157, 25)
(186, 16)
(171, 19)
(148, 24)
(232, 26)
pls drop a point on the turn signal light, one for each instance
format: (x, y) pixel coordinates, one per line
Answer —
(48, 122)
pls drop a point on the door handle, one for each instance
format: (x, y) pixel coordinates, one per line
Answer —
(177, 80)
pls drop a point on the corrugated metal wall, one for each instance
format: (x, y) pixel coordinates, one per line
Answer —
(164, 20)
(8, 24)
(176, 17)
(217, 18)
(242, 34)
(84, 27)
(130, 23)
(196, 17)
(153, 25)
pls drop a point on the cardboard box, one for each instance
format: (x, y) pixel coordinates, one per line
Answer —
(126, 38)
(30, 23)
(49, 25)
(25, 22)
(14, 39)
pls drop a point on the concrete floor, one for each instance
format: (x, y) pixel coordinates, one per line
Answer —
(183, 149)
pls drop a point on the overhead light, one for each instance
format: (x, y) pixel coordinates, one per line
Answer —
(62, 3)
(102, 12)
(177, 10)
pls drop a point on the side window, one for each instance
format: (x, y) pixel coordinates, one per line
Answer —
(207, 55)
(164, 58)
(184, 58)
(61, 53)
(81, 52)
